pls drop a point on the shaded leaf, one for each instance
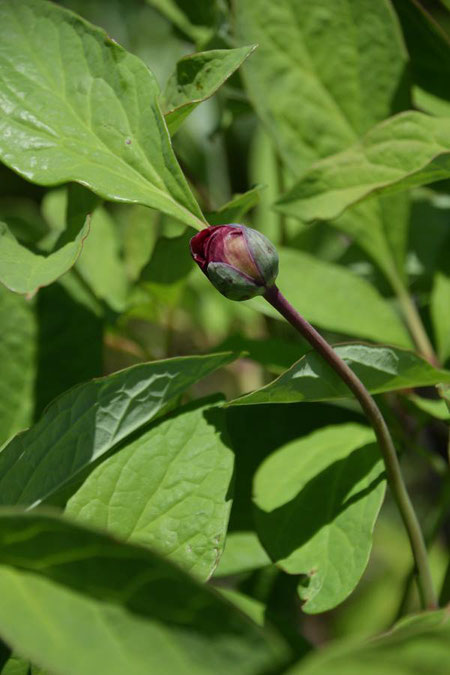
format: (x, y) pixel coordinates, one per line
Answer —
(379, 368)
(65, 327)
(77, 107)
(429, 51)
(78, 602)
(405, 151)
(88, 420)
(318, 499)
(197, 77)
(17, 356)
(168, 490)
(335, 298)
(418, 644)
(256, 431)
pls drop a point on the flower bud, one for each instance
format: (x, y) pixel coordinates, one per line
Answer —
(239, 262)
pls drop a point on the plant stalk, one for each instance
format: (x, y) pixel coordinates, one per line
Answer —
(414, 324)
(373, 413)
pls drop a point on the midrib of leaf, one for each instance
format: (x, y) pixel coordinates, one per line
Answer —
(154, 179)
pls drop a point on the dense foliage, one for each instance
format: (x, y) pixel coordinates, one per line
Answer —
(185, 487)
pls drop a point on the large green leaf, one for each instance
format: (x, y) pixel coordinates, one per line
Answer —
(418, 644)
(314, 106)
(77, 107)
(318, 499)
(23, 271)
(405, 151)
(88, 420)
(168, 489)
(80, 603)
(335, 298)
(197, 77)
(18, 337)
(379, 368)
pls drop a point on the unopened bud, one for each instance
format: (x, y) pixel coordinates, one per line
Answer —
(239, 261)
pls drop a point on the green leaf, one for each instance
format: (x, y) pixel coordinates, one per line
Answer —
(80, 603)
(311, 104)
(318, 499)
(168, 489)
(236, 208)
(84, 423)
(405, 151)
(379, 368)
(77, 107)
(197, 77)
(418, 644)
(335, 298)
(18, 338)
(243, 553)
(23, 271)
(440, 314)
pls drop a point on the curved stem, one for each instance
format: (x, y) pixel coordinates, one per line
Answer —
(393, 471)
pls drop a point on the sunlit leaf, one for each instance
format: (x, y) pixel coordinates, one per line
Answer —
(76, 106)
(405, 151)
(88, 420)
(169, 489)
